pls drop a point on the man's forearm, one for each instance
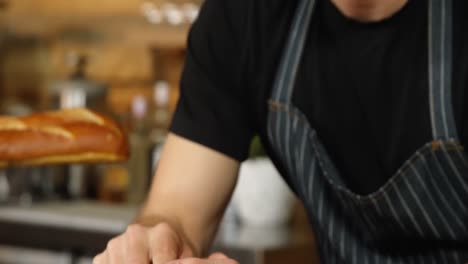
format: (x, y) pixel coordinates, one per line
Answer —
(190, 190)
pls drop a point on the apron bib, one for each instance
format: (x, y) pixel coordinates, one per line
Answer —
(420, 215)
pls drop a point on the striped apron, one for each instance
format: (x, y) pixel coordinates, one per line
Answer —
(420, 215)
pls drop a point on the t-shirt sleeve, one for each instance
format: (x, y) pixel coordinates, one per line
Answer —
(213, 108)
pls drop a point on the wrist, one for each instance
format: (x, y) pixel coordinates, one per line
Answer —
(147, 219)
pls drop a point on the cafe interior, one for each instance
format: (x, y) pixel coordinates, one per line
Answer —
(122, 59)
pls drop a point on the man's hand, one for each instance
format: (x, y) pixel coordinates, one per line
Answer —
(158, 245)
(191, 187)
(217, 258)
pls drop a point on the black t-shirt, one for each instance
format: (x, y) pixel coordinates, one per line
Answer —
(363, 86)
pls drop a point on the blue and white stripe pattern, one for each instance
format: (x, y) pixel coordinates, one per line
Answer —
(421, 214)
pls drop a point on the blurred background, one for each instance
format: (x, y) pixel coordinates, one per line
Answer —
(122, 58)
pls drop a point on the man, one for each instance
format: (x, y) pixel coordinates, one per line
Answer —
(360, 104)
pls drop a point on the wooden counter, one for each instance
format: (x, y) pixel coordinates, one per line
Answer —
(84, 228)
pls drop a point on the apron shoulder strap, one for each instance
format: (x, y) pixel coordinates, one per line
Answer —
(440, 69)
(291, 57)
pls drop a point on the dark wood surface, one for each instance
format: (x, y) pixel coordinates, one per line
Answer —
(3, 4)
(49, 238)
(76, 234)
(82, 243)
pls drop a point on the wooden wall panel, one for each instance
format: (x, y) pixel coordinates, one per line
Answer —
(107, 62)
(121, 20)
(84, 8)
(113, 34)
(81, 8)
(24, 74)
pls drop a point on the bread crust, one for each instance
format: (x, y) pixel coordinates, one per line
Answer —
(66, 136)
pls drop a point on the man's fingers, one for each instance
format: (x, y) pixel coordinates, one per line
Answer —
(218, 255)
(115, 251)
(217, 258)
(164, 244)
(142, 245)
(136, 245)
(203, 261)
(100, 259)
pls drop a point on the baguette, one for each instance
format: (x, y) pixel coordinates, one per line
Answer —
(68, 136)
